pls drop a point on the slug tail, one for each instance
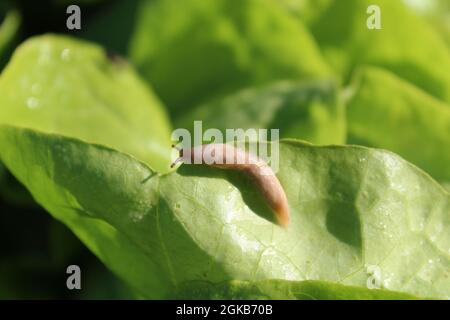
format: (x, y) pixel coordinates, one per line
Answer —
(282, 216)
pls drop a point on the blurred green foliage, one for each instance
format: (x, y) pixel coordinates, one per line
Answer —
(220, 46)
(411, 49)
(388, 112)
(310, 111)
(9, 29)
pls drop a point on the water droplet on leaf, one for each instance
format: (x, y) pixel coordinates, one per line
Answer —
(66, 54)
(32, 103)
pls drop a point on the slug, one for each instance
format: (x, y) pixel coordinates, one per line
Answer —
(229, 157)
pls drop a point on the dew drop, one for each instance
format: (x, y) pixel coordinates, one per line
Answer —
(32, 103)
(136, 216)
(65, 54)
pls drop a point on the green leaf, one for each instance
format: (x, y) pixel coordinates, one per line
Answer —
(61, 85)
(437, 14)
(411, 49)
(194, 50)
(387, 112)
(353, 209)
(284, 290)
(310, 111)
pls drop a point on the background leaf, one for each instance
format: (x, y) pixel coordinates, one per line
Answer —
(410, 49)
(217, 47)
(310, 111)
(387, 112)
(67, 86)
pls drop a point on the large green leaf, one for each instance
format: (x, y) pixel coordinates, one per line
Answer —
(387, 112)
(193, 50)
(309, 111)
(353, 209)
(61, 85)
(410, 49)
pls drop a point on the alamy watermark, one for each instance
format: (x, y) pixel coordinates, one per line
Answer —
(74, 279)
(249, 144)
(73, 22)
(373, 21)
